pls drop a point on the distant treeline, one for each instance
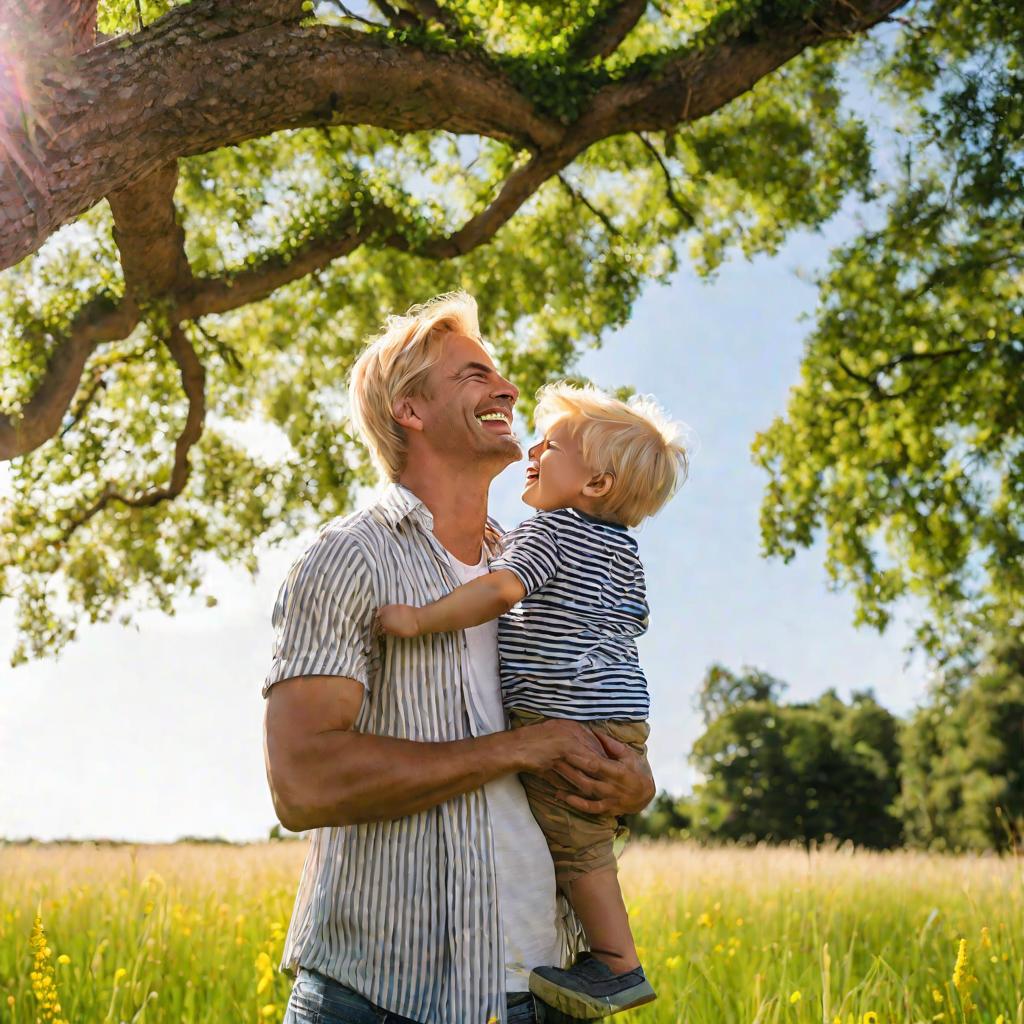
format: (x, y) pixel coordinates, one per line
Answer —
(949, 777)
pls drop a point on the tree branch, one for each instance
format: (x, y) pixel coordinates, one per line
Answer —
(193, 378)
(149, 237)
(579, 197)
(40, 418)
(871, 377)
(118, 127)
(49, 26)
(273, 270)
(670, 191)
(603, 36)
(518, 187)
(431, 10)
(701, 80)
(395, 15)
(203, 77)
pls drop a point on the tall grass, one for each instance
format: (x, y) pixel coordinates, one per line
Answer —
(193, 933)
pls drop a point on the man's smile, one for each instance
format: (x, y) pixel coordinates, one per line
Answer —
(502, 419)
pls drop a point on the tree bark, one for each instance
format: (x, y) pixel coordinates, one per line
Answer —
(208, 75)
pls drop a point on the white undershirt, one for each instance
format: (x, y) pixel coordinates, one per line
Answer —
(526, 876)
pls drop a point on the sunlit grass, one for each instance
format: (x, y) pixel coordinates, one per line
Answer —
(194, 933)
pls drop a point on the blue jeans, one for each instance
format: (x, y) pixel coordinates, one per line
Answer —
(317, 999)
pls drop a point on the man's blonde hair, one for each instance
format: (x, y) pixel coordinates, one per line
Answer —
(634, 441)
(395, 365)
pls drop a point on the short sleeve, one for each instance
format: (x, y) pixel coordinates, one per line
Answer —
(531, 552)
(323, 615)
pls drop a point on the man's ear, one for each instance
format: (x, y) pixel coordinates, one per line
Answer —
(404, 412)
(598, 486)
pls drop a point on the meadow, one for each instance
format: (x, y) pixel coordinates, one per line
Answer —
(193, 932)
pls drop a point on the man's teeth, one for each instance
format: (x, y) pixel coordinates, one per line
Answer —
(494, 416)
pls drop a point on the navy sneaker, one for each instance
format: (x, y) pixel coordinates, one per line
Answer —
(590, 989)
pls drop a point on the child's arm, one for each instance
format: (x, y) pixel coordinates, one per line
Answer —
(473, 603)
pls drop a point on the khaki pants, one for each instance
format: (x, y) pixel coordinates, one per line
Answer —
(580, 843)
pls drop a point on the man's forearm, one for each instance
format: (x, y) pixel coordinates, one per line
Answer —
(347, 778)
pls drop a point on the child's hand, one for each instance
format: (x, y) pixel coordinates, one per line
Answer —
(397, 620)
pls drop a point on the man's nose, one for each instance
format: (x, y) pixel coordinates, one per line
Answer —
(506, 389)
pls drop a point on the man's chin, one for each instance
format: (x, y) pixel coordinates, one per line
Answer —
(509, 446)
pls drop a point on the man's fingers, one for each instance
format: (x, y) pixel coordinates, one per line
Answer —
(597, 767)
(582, 803)
(612, 747)
(583, 782)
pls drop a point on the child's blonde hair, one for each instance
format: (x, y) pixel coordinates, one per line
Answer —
(634, 441)
(395, 365)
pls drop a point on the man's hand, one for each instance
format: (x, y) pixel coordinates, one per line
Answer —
(397, 620)
(547, 744)
(616, 781)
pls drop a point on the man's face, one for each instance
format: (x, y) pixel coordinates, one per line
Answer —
(467, 410)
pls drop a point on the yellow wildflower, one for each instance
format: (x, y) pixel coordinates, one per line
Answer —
(265, 970)
(63, 959)
(269, 1010)
(673, 962)
(986, 939)
(870, 1017)
(704, 921)
(962, 977)
(119, 974)
(43, 986)
(795, 997)
(937, 995)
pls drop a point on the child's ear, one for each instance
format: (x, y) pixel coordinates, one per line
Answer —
(405, 414)
(598, 486)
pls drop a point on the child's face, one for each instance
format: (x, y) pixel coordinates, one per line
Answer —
(556, 474)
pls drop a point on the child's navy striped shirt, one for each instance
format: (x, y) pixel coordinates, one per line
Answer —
(568, 649)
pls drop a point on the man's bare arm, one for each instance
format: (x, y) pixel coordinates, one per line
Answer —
(323, 773)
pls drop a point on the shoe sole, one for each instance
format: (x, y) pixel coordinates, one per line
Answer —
(578, 1004)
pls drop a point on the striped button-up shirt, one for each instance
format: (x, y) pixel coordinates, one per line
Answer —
(404, 911)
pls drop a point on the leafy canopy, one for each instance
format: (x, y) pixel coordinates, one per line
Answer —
(902, 441)
(276, 453)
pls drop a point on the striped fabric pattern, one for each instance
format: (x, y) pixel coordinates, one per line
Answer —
(404, 911)
(568, 649)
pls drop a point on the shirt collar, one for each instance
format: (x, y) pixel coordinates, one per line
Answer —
(398, 501)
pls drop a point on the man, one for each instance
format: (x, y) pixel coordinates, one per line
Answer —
(428, 893)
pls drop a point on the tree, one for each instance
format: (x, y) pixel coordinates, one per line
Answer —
(963, 755)
(721, 690)
(902, 441)
(804, 772)
(667, 817)
(251, 187)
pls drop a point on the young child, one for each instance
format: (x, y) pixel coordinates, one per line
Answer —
(573, 587)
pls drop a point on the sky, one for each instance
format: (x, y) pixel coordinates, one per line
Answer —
(154, 731)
